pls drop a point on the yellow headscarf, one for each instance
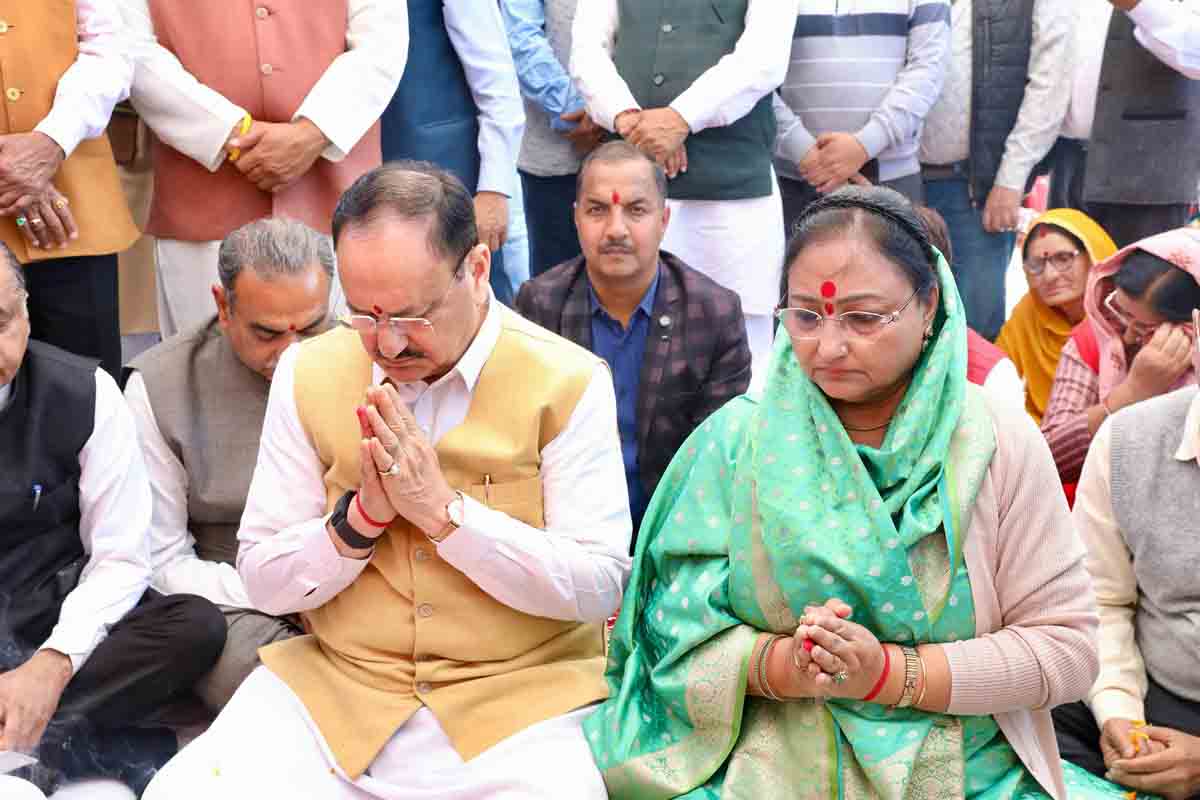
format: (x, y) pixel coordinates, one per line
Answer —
(1035, 334)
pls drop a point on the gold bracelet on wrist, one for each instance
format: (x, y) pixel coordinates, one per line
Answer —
(912, 667)
(763, 656)
(924, 682)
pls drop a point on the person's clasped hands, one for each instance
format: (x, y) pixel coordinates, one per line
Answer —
(400, 473)
(660, 133)
(1151, 759)
(28, 164)
(274, 154)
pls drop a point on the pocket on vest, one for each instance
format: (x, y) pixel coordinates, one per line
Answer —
(520, 499)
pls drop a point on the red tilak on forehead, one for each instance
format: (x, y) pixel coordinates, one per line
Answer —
(829, 309)
(292, 328)
(377, 309)
(828, 289)
(616, 199)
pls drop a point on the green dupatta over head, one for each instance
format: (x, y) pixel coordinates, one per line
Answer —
(770, 507)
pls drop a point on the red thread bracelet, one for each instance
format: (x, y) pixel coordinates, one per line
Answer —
(362, 512)
(887, 668)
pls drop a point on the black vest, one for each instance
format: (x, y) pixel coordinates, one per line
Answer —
(1002, 42)
(1145, 145)
(49, 418)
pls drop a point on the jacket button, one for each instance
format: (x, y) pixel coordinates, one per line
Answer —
(425, 610)
(659, 80)
(421, 555)
(3, 26)
(261, 13)
(266, 69)
(424, 687)
(667, 28)
(13, 94)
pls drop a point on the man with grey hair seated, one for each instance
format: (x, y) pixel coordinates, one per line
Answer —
(199, 400)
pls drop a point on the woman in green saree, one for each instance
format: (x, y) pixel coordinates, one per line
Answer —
(870, 495)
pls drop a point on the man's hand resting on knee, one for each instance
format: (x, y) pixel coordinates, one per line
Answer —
(29, 696)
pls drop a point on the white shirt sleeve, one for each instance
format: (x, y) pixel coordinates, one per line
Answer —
(357, 87)
(593, 36)
(184, 114)
(286, 558)
(1047, 93)
(577, 567)
(1121, 684)
(729, 89)
(97, 81)
(177, 569)
(722, 95)
(1004, 385)
(1170, 30)
(114, 501)
(477, 33)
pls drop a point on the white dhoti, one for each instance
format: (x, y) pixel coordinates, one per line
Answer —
(265, 744)
(186, 273)
(740, 245)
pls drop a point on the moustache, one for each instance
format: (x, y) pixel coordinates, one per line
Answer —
(616, 250)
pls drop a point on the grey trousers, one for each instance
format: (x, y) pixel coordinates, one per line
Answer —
(248, 631)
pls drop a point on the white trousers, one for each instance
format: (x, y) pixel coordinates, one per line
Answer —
(760, 335)
(186, 274)
(265, 744)
(737, 243)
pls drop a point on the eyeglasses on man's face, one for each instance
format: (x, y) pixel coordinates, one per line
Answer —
(804, 324)
(1062, 261)
(401, 327)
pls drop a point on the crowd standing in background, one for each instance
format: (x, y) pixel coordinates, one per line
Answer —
(473, 330)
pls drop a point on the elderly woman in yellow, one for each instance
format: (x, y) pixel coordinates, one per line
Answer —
(870, 472)
(1060, 249)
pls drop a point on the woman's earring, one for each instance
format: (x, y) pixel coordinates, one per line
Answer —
(928, 336)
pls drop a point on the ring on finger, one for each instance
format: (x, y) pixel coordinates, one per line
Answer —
(60, 204)
(391, 471)
(21, 220)
(36, 222)
(841, 677)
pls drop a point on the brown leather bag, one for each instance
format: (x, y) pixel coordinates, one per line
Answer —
(123, 134)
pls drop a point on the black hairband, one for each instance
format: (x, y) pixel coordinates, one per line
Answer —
(846, 201)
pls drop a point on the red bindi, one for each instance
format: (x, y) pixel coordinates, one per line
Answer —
(377, 309)
(828, 289)
(616, 199)
(292, 328)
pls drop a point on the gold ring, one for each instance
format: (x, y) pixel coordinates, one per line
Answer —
(60, 204)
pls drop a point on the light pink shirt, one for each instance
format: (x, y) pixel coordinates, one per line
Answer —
(1035, 610)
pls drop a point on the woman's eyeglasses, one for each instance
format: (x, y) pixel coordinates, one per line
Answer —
(802, 323)
(1061, 261)
(1126, 320)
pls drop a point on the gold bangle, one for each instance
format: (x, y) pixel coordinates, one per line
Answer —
(912, 666)
(924, 681)
(763, 656)
(236, 153)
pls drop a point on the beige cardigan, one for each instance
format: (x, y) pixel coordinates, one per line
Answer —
(1035, 610)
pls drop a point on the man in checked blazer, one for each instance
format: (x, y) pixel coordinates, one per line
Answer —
(674, 339)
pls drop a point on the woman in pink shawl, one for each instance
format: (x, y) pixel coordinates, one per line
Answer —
(1136, 342)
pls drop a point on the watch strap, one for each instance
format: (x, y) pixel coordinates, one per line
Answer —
(339, 520)
(451, 526)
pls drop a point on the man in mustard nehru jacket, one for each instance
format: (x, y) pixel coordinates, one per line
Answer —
(440, 494)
